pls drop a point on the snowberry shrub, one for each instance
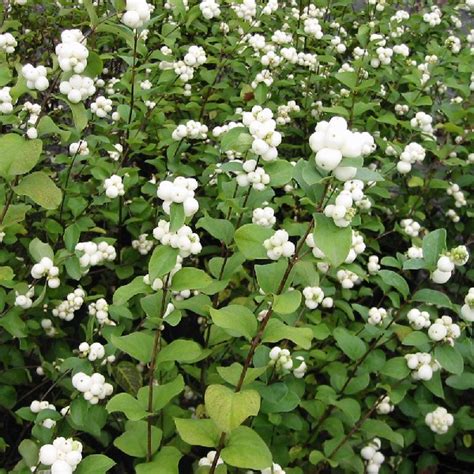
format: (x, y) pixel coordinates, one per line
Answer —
(235, 237)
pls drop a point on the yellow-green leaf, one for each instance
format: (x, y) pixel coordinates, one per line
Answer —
(228, 409)
(40, 188)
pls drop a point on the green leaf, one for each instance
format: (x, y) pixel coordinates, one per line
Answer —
(433, 244)
(365, 174)
(127, 404)
(95, 65)
(221, 229)
(397, 281)
(414, 264)
(237, 320)
(261, 93)
(388, 118)
(245, 449)
(162, 394)
(198, 432)
(15, 213)
(165, 462)
(228, 409)
(40, 188)
(128, 291)
(46, 126)
(232, 373)
(91, 12)
(465, 381)
(13, 323)
(287, 303)
(277, 331)
(249, 239)
(278, 398)
(137, 344)
(415, 338)
(379, 428)
(6, 273)
(71, 236)
(87, 417)
(18, 155)
(95, 464)
(353, 346)
(178, 8)
(280, 171)
(348, 78)
(334, 241)
(270, 275)
(315, 457)
(236, 139)
(432, 297)
(79, 115)
(29, 452)
(449, 358)
(128, 376)
(350, 407)
(180, 350)
(134, 440)
(396, 368)
(162, 261)
(5, 75)
(413, 98)
(177, 216)
(39, 249)
(190, 279)
(434, 385)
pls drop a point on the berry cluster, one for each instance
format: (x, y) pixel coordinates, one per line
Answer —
(384, 407)
(376, 316)
(93, 387)
(114, 186)
(347, 278)
(467, 309)
(46, 268)
(100, 309)
(77, 88)
(280, 358)
(6, 106)
(209, 9)
(418, 319)
(413, 153)
(253, 175)
(410, 227)
(422, 365)
(372, 456)
(183, 239)
(101, 107)
(137, 13)
(142, 244)
(278, 245)
(73, 302)
(8, 43)
(93, 254)
(35, 77)
(192, 129)
(179, 191)
(63, 455)
(314, 295)
(72, 52)
(439, 420)
(264, 217)
(262, 127)
(332, 141)
(443, 329)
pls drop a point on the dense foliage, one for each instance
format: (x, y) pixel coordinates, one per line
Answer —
(235, 236)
